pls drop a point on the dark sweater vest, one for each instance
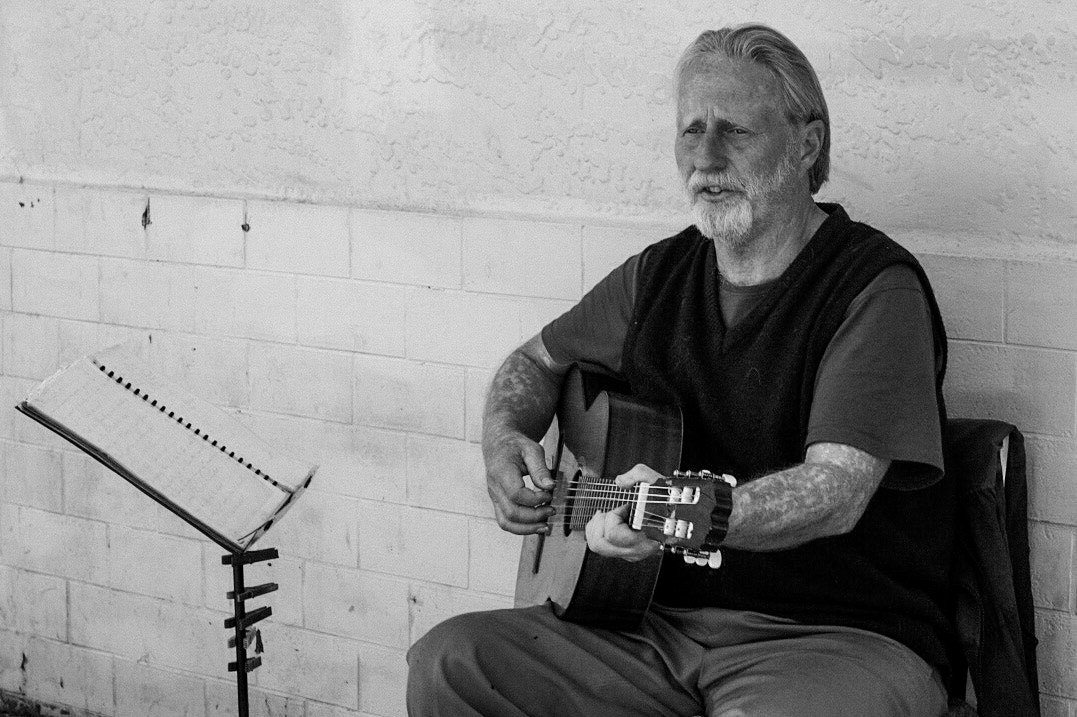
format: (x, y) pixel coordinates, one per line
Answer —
(746, 397)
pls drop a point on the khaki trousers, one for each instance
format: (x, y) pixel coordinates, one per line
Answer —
(721, 663)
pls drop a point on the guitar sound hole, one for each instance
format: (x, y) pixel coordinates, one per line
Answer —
(570, 499)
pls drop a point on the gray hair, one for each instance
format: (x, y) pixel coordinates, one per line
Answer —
(801, 93)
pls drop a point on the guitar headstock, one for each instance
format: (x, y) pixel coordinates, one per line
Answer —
(676, 511)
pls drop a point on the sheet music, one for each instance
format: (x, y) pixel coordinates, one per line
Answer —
(170, 458)
(219, 425)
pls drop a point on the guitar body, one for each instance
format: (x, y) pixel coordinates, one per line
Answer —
(603, 433)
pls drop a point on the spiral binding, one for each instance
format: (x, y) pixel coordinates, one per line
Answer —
(179, 419)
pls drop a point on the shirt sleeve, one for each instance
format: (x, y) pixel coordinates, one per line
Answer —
(875, 389)
(594, 330)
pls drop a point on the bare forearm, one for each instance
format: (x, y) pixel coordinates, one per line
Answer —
(519, 405)
(812, 500)
(522, 396)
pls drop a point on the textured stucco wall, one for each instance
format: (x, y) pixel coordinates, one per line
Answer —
(952, 118)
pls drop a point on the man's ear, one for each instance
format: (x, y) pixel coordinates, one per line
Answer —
(811, 142)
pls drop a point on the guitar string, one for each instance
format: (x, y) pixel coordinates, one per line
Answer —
(630, 495)
(654, 523)
(614, 500)
(592, 498)
(601, 490)
(560, 509)
(609, 489)
(657, 528)
(583, 498)
(561, 518)
(657, 525)
(646, 513)
(589, 498)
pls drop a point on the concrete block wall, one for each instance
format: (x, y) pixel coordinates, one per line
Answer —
(371, 361)
(352, 353)
(334, 218)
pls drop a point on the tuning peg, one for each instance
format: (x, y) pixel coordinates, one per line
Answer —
(712, 560)
(706, 475)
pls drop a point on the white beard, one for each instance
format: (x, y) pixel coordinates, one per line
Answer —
(731, 220)
(730, 224)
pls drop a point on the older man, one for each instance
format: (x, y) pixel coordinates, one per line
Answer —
(806, 354)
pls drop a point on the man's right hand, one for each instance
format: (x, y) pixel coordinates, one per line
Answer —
(519, 405)
(519, 509)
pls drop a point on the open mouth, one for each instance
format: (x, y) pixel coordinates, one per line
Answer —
(714, 192)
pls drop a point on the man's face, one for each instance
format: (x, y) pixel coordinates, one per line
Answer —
(737, 152)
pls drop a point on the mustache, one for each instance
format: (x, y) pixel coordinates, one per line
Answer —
(698, 181)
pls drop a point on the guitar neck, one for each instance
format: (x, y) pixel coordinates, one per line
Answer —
(593, 496)
(672, 510)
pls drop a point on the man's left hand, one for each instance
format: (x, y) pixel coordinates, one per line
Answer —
(610, 535)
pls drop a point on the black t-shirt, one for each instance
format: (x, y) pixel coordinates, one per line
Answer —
(875, 389)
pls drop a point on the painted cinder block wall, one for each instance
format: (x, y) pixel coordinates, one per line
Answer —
(334, 218)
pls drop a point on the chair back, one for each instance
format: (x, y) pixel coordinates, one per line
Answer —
(993, 612)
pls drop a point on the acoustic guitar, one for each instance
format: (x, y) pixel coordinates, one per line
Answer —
(603, 432)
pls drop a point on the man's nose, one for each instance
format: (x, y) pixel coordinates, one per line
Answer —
(711, 155)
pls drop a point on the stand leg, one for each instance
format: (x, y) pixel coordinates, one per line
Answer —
(241, 622)
(241, 647)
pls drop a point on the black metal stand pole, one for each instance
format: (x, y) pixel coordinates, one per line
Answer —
(242, 637)
(241, 648)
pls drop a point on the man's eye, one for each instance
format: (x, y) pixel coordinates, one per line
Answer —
(738, 130)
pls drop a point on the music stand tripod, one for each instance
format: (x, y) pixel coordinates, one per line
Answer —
(244, 635)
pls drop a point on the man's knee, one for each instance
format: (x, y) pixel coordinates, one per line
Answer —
(442, 667)
(448, 642)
